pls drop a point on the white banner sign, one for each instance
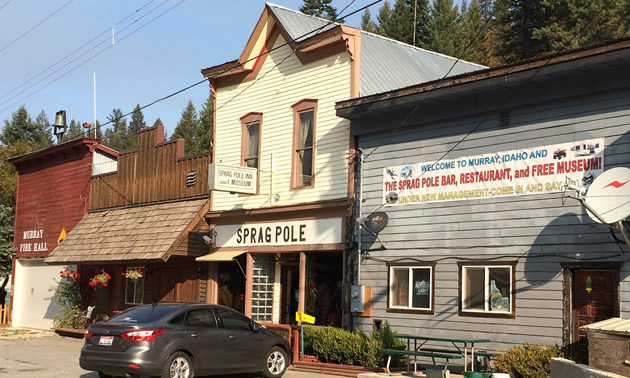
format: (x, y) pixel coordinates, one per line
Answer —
(528, 171)
(311, 231)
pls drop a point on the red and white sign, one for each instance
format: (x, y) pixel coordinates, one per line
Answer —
(545, 169)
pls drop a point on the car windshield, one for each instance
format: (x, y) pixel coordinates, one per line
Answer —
(142, 314)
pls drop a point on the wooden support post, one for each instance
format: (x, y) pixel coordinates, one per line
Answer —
(302, 299)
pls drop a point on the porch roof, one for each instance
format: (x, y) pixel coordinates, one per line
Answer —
(140, 233)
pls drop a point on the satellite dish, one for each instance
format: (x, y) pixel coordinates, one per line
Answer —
(609, 195)
(376, 222)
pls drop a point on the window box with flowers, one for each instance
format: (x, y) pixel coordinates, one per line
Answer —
(100, 280)
(134, 290)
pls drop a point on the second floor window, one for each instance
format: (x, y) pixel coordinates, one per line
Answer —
(250, 150)
(304, 113)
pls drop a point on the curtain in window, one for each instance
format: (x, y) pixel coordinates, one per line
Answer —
(305, 149)
(251, 155)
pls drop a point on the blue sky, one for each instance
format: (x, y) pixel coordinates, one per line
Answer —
(162, 57)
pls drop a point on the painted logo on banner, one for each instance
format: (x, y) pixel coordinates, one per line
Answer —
(545, 169)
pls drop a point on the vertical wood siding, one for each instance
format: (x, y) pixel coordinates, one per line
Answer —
(273, 93)
(52, 195)
(155, 171)
(520, 228)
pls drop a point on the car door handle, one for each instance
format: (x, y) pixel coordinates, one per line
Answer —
(232, 337)
(195, 334)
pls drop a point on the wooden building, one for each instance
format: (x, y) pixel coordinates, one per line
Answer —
(147, 215)
(52, 196)
(472, 172)
(275, 113)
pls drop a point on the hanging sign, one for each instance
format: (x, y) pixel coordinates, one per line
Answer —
(538, 170)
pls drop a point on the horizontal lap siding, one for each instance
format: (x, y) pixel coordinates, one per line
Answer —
(532, 229)
(327, 81)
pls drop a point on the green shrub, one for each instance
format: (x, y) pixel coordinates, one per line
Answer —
(334, 345)
(528, 361)
(386, 340)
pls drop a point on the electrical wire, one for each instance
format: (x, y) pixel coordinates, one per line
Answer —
(34, 27)
(312, 32)
(72, 53)
(505, 100)
(5, 4)
(89, 58)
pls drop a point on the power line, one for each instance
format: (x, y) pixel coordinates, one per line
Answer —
(508, 98)
(88, 59)
(72, 53)
(314, 31)
(5, 4)
(36, 25)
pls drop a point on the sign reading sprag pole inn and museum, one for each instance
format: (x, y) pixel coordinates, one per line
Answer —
(229, 178)
(544, 169)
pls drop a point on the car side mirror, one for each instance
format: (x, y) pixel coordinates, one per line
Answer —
(256, 327)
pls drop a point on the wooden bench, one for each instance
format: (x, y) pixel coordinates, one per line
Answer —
(426, 353)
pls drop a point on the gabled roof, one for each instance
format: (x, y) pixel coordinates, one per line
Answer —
(386, 64)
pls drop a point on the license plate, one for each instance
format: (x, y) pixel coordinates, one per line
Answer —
(106, 340)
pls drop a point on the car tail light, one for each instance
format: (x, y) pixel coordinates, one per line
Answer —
(88, 334)
(142, 335)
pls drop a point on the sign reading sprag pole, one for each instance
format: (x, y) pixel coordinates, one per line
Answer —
(545, 169)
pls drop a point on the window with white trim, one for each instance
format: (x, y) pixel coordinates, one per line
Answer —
(410, 288)
(486, 288)
(134, 286)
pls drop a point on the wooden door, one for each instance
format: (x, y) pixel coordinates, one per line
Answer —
(289, 302)
(178, 284)
(594, 299)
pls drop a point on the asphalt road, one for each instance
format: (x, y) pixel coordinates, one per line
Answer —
(57, 356)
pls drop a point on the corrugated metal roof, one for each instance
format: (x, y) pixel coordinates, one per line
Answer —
(298, 25)
(612, 326)
(386, 64)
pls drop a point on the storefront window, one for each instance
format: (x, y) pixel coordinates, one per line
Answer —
(262, 288)
(134, 285)
(411, 287)
(487, 289)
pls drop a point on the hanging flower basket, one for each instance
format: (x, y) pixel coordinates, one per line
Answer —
(100, 280)
(69, 274)
(133, 274)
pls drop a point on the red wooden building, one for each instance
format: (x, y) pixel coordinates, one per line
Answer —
(52, 196)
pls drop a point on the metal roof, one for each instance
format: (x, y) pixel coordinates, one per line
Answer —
(386, 64)
(612, 326)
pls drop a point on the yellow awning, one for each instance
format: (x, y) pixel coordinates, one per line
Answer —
(220, 256)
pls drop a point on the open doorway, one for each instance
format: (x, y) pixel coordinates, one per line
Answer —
(324, 275)
(232, 283)
(290, 283)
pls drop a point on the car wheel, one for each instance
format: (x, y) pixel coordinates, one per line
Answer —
(178, 365)
(276, 363)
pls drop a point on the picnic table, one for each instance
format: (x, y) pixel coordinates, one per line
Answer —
(462, 346)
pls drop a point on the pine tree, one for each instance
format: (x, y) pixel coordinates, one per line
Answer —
(203, 139)
(43, 124)
(116, 136)
(187, 128)
(158, 122)
(21, 128)
(74, 131)
(422, 21)
(399, 25)
(472, 35)
(443, 29)
(517, 23)
(320, 8)
(384, 13)
(6, 248)
(367, 23)
(137, 123)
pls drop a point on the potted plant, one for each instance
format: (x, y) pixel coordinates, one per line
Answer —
(100, 280)
(133, 273)
(69, 274)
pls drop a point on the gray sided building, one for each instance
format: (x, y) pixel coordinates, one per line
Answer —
(485, 243)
